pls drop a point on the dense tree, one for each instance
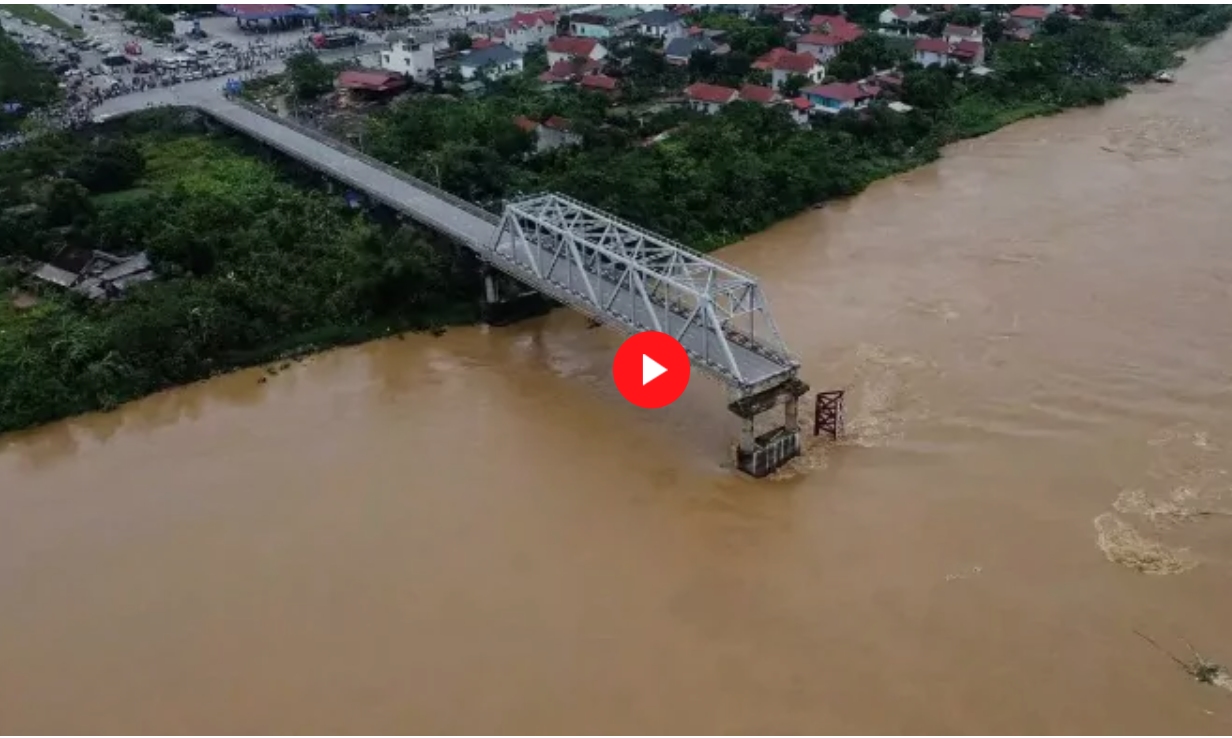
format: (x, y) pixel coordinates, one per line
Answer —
(309, 76)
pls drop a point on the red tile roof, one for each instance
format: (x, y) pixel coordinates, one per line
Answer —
(1030, 12)
(758, 94)
(967, 49)
(530, 20)
(801, 63)
(845, 91)
(481, 43)
(933, 45)
(703, 92)
(526, 124)
(953, 30)
(802, 103)
(599, 82)
(557, 123)
(901, 11)
(567, 70)
(372, 81)
(770, 58)
(837, 26)
(572, 45)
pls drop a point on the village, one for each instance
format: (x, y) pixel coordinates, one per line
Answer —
(776, 56)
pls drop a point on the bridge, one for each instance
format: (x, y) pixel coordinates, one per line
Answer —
(616, 273)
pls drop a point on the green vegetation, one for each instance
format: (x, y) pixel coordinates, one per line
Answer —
(37, 15)
(150, 20)
(22, 81)
(251, 266)
(718, 178)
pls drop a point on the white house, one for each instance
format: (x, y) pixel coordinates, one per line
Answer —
(931, 51)
(492, 62)
(552, 133)
(783, 64)
(661, 24)
(709, 99)
(900, 15)
(408, 57)
(957, 34)
(561, 48)
(530, 29)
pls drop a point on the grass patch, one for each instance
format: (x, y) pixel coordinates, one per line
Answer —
(41, 17)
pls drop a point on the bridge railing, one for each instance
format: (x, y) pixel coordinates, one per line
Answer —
(355, 153)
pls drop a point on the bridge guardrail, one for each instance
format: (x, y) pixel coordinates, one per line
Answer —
(354, 153)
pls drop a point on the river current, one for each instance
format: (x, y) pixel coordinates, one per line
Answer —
(474, 533)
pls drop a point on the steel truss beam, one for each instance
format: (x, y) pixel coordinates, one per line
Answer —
(634, 280)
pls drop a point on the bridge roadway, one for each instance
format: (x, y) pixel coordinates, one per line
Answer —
(466, 223)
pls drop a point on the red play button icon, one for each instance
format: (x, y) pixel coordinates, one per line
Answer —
(651, 369)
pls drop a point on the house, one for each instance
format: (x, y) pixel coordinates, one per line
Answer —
(493, 62)
(836, 97)
(1030, 17)
(931, 52)
(955, 34)
(828, 37)
(662, 24)
(530, 29)
(799, 108)
(937, 51)
(600, 83)
(786, 13)
(967, 53)
(759, 94)
(680, 50)
(373, 82)
(783, 64)
(408, 56)
(569, 47)
(591, 25)
(569, 71)
(709, 99)
(551, 134)
(900, 16)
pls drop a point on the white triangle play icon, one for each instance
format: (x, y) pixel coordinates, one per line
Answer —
(651, 370)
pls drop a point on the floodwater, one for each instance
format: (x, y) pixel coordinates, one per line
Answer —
(475, 534)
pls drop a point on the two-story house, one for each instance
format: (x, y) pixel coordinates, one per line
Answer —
(591, 25)
(680, 50)
(561, 48)
(787, 64)
(1030, 17)
(901, 18)
(937, 51)
(955, 34)
(660, 24)
(828, 36)
(530, 29)
(409, 57)
(493, 62)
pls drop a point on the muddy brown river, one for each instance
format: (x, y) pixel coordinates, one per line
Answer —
(475, 534)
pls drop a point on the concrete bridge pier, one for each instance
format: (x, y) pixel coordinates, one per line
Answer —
(506, 301)
(759, 455)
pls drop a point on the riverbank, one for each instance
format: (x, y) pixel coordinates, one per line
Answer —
(255, 267)
(255, 263)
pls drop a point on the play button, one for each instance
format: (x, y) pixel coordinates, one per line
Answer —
(651, 369)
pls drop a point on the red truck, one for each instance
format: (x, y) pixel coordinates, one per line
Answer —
(334, 40)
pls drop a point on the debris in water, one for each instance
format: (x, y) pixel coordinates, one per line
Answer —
(1200, 668)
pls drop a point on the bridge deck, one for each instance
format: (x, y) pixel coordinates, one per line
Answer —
(475, 228)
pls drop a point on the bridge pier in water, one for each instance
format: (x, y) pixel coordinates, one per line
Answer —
(506, 301)
(759, 455)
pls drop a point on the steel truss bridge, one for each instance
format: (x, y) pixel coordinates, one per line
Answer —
(608, 269)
